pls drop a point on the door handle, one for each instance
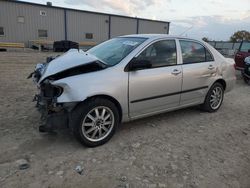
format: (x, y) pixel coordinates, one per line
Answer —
(176, 72)
(211, 67)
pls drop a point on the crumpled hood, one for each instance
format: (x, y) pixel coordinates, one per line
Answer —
(72, 58)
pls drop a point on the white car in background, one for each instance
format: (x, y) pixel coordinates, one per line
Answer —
(127, 78)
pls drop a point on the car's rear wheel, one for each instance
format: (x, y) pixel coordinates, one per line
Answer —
(214, 98)
(95, 121)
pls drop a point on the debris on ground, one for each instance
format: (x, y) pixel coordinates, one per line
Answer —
(22, 164)
(79, 169)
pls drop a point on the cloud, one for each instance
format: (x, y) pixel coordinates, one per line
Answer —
(128, 7)
(214, 27)
(215, 19)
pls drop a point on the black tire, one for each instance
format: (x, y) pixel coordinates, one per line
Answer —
(206, 106)
(80, 113)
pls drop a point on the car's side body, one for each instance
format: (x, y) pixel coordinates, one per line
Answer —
(150, 91)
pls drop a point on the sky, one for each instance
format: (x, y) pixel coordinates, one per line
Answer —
(214, 19)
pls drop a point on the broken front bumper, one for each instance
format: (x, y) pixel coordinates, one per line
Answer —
(53, 115)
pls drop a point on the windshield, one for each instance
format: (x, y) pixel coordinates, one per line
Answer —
(245, 47)
(113, 51)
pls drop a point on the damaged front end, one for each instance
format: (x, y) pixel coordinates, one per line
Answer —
(55, 115)
(52, 113)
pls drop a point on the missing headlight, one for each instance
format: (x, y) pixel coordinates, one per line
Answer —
(51, 91)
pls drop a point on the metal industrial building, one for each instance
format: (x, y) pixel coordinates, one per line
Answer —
(24, 22)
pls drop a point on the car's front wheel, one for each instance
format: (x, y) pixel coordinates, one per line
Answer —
(214, 98)
(95, 121)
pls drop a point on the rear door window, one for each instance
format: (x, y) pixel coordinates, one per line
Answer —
(194, 52)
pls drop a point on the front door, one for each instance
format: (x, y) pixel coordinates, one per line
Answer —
(155, 89)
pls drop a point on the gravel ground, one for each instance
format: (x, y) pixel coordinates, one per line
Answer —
(185, 148)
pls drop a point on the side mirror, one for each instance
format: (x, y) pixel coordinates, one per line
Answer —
(136, 64)
(248, 50)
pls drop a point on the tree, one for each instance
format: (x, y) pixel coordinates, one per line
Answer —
(240, 36)
(205, 39)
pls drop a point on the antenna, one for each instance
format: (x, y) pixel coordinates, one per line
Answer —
(186, 30)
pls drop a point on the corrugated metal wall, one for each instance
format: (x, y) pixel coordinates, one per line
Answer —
(122, 26)
(80, 23)
(152, 27)
(53, 22)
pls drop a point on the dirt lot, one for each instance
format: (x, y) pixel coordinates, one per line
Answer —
(185, 148)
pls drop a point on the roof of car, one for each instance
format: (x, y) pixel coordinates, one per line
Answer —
(155, 36)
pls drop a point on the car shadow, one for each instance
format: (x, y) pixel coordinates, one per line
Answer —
(161, 117)
(66, 138)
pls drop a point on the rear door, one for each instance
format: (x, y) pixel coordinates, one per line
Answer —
(199, 70)
(157, 88)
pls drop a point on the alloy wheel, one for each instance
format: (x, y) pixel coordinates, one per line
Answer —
(216, 98)
(98, 123)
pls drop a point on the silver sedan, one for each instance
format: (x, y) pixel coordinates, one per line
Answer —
(127, 78)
